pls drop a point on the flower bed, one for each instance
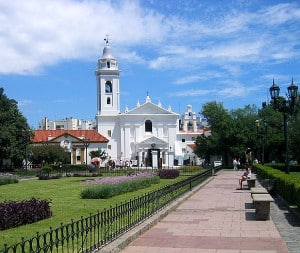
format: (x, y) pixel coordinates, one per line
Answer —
(168, 173)
(14, 214)
(7, 178)
(107, 187)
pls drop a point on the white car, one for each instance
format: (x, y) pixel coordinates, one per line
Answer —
(217, 163)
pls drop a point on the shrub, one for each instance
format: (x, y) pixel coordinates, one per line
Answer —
(111, 186)
(48, 177)
(86, 174)
(14, 214)
(6, 178)
(286, 185)
(168, 173)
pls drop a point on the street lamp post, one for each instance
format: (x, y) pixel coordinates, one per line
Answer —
(86, 144)
(261, 134)
(287, 107)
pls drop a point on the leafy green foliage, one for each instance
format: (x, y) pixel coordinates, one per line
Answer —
(49, 154)
(8, 180)
(14, 131)
(219, 121)
(295, 137)
(98, 153)
(234, 131)
(286, 185)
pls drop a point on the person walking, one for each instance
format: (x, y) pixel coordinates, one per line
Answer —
(235, 164)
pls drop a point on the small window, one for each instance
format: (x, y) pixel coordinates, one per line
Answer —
(109, 133)
(78, 158)
(193, 138)
(148, 126)
(183, 140)
(109, 147)
(108, 64)
(108, 101)
(108, 87)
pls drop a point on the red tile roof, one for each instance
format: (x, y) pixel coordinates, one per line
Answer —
(192, 146)
(91, 135)
(199, 131)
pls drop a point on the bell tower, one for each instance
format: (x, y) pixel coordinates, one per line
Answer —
(107, 81)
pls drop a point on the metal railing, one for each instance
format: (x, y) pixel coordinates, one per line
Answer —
(94, 232)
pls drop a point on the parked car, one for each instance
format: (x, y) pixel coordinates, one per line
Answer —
(217, 163)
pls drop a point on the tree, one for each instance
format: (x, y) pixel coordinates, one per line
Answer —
(243, 131)
(274, 138)
(14, 131)
(49, 154)
(295, 138)
(220, 123)
(98, 153)
(231, 132)
(235, 131)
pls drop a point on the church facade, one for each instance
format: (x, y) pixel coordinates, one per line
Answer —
(147, 135)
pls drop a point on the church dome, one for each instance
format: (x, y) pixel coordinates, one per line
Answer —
(107, 53)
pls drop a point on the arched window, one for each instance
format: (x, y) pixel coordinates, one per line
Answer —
(108, 87)
(148, 126)
(108, 101)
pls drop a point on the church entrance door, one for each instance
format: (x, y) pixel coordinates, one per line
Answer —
(149, 160)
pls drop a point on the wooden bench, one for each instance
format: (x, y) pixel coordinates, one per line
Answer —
(262, 205)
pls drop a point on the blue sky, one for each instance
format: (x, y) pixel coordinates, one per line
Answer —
(181, 52)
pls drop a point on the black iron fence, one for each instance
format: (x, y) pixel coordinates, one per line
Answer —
(105, 171)
(94, 232)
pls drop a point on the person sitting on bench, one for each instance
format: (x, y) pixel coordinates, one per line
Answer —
(246, 175)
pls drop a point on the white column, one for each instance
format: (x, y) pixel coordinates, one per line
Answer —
(139, 158)
(171, 159)
(154, 159)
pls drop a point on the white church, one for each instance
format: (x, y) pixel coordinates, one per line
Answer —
(147, 135)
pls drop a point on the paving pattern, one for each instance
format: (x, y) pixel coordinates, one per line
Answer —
(287, 223)
(220, 219)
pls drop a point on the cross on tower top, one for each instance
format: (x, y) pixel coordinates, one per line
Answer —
(106, 40)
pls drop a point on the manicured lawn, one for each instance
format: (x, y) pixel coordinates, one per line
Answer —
(296, 173)
(66, 204)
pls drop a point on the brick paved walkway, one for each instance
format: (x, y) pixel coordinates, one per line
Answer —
(215, 219)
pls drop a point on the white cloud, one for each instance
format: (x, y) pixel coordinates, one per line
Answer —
(188, 79)
(24, 102)
(39, 33)
(278, 14)
(233, 90)
(35, 34)
(193, 93)
(205, 75)
(159, 62)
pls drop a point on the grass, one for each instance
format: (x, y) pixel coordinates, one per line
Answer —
(296, 173)
(66, 203)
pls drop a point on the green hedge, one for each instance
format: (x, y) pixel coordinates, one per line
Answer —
(8, 180)
(286, 185)
(281, 166)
